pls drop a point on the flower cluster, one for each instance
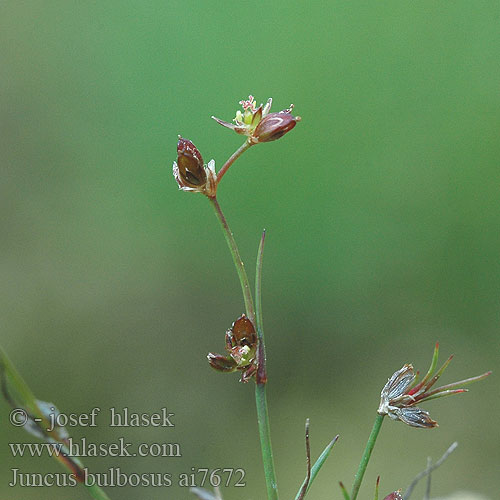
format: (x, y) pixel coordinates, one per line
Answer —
(258, 124)
(241, 344)
(402, 393)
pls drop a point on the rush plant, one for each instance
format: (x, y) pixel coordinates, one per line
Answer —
(243, 343)
(244, 340)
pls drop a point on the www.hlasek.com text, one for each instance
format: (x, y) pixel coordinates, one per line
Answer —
(82, 448)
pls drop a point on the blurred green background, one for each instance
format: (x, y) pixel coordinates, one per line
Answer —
(382, 212)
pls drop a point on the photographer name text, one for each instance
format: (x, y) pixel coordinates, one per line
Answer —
(123, 417)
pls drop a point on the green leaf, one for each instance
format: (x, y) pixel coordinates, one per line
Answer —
(317, 466)
(344, 491)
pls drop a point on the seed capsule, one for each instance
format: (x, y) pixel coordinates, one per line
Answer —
(190, 164)
(190, 172)
(274, 126)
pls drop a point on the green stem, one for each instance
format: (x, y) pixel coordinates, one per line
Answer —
(260, 386)
(232, 159)
(19, 384)
(261, 358)
(265, 441)
(366, 456)
(238, 263)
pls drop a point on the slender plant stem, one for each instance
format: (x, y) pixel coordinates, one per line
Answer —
(19, 384)
(238, 263)
(265, 441)
(260, 386)
(307, 481)
(317, 466)
(262, 372)
(429, 469)
(428, 485)
(366, 456)
(232, 159)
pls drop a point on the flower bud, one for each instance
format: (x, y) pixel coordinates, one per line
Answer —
(274, 125)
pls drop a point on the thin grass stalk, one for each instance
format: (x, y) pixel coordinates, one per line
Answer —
(366, 456)
(260, 386)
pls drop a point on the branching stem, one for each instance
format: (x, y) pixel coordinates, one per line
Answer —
(238, 263)
(232, 159)
(260, 386)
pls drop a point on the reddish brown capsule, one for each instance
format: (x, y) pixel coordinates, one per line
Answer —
(274, 126)
(243, 332)
(190, 172)
(258, 124)
(241, 346)
(190, 164)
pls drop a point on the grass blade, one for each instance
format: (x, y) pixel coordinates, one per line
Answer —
(317, 466)
(344, 491)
